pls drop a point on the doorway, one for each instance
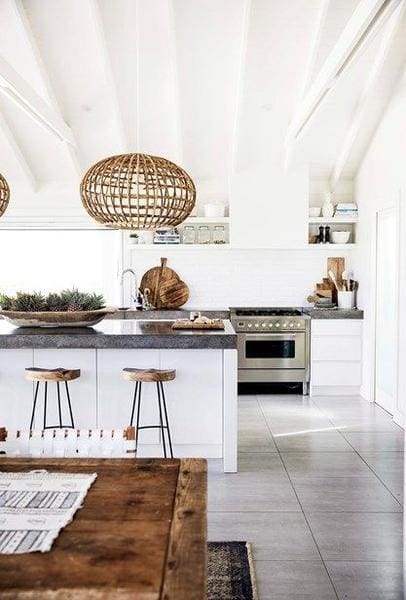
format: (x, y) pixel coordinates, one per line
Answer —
(387, 300)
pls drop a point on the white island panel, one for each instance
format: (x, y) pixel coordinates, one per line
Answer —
(115, 394)
(16, 393)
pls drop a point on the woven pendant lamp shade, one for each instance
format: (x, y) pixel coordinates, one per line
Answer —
(4, 195)
(137, 191)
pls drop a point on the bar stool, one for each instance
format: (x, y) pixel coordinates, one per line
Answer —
(57, 376)
(158, 376)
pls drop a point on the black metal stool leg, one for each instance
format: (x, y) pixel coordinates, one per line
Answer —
(45, 404)
(59, 404)
(166, 418)
(138, 417)
(69, 405)
(134, 403)
(34, 405)
(160, 419)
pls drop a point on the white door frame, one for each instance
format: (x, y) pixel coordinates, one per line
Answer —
(396, 208)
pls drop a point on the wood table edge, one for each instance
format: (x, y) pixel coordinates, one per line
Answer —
(185, 574)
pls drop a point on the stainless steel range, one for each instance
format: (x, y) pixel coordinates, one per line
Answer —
(273, 345)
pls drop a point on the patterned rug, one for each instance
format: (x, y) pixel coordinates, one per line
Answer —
(231, 573)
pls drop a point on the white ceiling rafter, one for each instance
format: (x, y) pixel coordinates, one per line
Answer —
(366, 20)
(318, 31)
(391, 32)
(109, 73)
(25, 27)
(18, 154)
(17, 90)
(240, 85)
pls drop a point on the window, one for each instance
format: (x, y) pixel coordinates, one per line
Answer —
(51, 260)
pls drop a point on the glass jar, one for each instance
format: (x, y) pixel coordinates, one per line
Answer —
(203, 235)
(189, 234)
(219, 235)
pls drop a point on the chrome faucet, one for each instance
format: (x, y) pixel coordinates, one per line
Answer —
(134, 297)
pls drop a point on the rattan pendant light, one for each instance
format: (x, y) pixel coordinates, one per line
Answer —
(137, 191)
(4, 195)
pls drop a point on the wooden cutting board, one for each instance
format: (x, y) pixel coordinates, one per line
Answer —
(166, 288)
(153, 279)
(173, 294)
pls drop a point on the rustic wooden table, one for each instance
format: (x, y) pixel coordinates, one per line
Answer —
(141, 534)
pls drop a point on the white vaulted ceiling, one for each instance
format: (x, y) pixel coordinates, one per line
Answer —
(210, 84)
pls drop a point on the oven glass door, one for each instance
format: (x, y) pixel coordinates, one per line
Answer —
(272, 351)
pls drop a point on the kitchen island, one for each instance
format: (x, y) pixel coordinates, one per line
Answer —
(202, 400)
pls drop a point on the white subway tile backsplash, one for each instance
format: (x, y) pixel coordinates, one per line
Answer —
(231, 277)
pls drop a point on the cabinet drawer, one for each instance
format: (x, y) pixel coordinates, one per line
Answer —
(336, 373)
(336, 327)
(344, 347)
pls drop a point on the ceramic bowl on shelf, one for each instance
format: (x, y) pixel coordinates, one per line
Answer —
(340, 237)
(314, 211)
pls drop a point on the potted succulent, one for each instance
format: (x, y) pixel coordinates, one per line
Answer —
(68, 308)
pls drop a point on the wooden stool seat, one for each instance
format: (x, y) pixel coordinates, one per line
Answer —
(149, 375)
(60, 374)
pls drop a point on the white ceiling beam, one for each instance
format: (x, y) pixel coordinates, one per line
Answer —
(240, 88)
(16, 89)
(389, 35)
(23, 22)
(366, 20)
(18, 154)
(109, 74)
(317, 36)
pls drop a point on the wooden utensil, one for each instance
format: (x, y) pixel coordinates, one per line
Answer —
(337, 266)
(173, 294)
(334, 280)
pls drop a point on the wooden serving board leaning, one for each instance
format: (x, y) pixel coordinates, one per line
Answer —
(167, 290)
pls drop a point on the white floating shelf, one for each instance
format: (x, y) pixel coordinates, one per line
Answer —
(333, 220)
(331, 247)
(204, 220)
(223, 247)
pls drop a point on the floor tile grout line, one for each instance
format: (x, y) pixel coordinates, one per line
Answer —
(304, 515)
(369, 467)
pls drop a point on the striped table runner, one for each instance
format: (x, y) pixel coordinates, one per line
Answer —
(35, 506)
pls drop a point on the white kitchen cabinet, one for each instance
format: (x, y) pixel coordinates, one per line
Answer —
(336, 355)
(16, 393)
(82, 391)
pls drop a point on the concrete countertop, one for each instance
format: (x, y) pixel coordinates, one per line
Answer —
(114, 333)
(334, 313)
(168, 315)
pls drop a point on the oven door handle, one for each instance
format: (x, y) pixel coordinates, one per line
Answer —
(262, 336)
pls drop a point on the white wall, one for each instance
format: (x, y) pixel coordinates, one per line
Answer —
(219, 278)
(381, 182)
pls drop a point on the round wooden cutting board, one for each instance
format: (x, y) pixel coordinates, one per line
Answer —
(166, 288)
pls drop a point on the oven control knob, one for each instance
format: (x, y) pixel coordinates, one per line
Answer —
(270, 325)
(257, 325)
(292, 325)
(285, 325)
(263, 324)
(277, 325)
(249, 325)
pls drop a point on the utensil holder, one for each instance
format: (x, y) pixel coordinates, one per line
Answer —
(345, 300)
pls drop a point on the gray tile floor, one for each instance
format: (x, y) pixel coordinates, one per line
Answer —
(319, 494)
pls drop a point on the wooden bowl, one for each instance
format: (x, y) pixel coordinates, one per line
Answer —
(80, 318)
